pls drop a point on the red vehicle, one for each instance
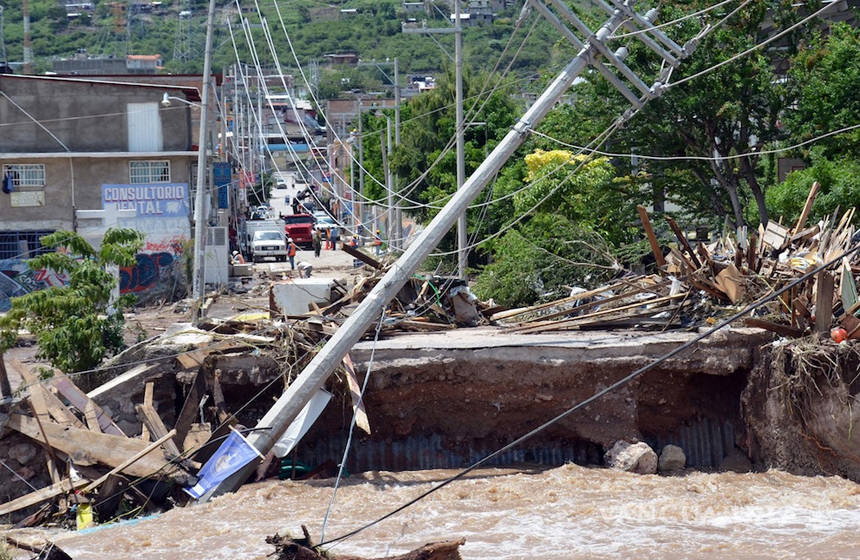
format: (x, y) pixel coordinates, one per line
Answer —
(300, 227)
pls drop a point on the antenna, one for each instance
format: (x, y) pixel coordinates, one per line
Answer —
(182, 44)
(3, 58)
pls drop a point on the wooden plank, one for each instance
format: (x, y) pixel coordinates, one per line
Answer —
(604, 312)
(810, 200)
(81, 401)
(189, 409)
(147, 400)
(88, 448)
(540, 306)
(366, 259)
(682, 239)
(5, 388)
(47, 404)
(92, 418)
(731, 282)
(847, 288)
(361, 419)
(547, 319)
(39, 496)
(156, 427)
(824, 284)
(652, 238)
(165, 440)
(126, 377)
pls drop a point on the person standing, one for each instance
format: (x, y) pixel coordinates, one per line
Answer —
(291, 252)
(377, 242)
(334, 236)
(317, 242)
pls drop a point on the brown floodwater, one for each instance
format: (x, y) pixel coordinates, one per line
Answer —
(561, 513)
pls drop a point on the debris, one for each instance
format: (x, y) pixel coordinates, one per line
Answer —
(302, 548)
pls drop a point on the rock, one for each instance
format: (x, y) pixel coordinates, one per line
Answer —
(672, 459)
(631, 457)
(736, 461)
(22, 452)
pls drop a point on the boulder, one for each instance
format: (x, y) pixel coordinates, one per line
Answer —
(672, 459)
(736, 461)
(631, 457)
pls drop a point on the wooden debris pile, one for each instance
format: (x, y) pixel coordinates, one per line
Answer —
(699, 284)
(90, 460)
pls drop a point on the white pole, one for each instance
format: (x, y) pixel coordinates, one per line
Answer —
(198, 278)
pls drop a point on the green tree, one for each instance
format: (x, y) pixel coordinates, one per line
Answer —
(840, 188)
(823, 79)
(74, 324)
(544, 259)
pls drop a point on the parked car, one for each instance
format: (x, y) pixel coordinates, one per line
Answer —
(268, 244)
(300, 228)
(325, 223)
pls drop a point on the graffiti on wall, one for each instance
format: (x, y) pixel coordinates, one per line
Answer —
(151, 270)
(16, 279)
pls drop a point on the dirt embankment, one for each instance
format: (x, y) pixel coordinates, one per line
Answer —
(801, 407)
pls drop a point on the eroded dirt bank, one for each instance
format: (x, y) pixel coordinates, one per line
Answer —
(440, 400)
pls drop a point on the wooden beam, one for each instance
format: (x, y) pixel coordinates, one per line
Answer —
(39, 496)
(366, 259)
(156, 427)
(81, 401)
(189, 409)
(824, 284)
(147, 401)
(810, 200)
(92, 418)
(47, 404)
(88, 448)
(652, 238)
(361, 419)
(781, 330)
(5, 388)
(164, 439)
(683, 241)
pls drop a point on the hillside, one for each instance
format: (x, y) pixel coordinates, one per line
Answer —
(316, 28)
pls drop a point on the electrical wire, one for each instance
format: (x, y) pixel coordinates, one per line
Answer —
(673, 22)
(699, 158)
(612, 387)
(356, 408)
(751, 49)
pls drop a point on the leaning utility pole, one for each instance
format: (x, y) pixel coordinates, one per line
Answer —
(305, 386)
(198, 281)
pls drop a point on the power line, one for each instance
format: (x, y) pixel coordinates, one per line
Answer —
(700, 158)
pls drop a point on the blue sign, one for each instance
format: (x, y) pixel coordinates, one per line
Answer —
(234, 453)
(222, 177)
(151, 200)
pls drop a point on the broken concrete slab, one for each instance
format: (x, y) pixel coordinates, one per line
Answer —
(295, 296)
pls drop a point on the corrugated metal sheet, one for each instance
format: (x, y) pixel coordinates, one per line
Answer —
(706, 442)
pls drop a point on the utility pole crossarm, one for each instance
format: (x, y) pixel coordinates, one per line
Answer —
(315, 374)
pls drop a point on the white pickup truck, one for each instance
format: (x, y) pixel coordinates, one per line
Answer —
(268, 244)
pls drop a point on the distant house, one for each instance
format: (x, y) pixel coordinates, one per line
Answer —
(342, 58)
(72, 146)
(143, 63)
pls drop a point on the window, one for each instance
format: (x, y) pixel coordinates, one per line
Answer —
(26, 174)
(149, 171)
(23, 244)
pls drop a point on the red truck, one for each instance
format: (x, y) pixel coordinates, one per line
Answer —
(300, 227)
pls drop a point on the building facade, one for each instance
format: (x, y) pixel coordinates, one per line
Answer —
(82, 155)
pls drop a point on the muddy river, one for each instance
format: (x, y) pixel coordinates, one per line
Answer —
(566, 512)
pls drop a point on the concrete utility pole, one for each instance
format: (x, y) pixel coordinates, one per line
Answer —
(200, 202)
(461, 156)
(314, 375)
(457, 30)
(386, 165)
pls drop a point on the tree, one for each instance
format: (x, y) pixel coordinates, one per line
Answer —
(823, 79)
(74, 325)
